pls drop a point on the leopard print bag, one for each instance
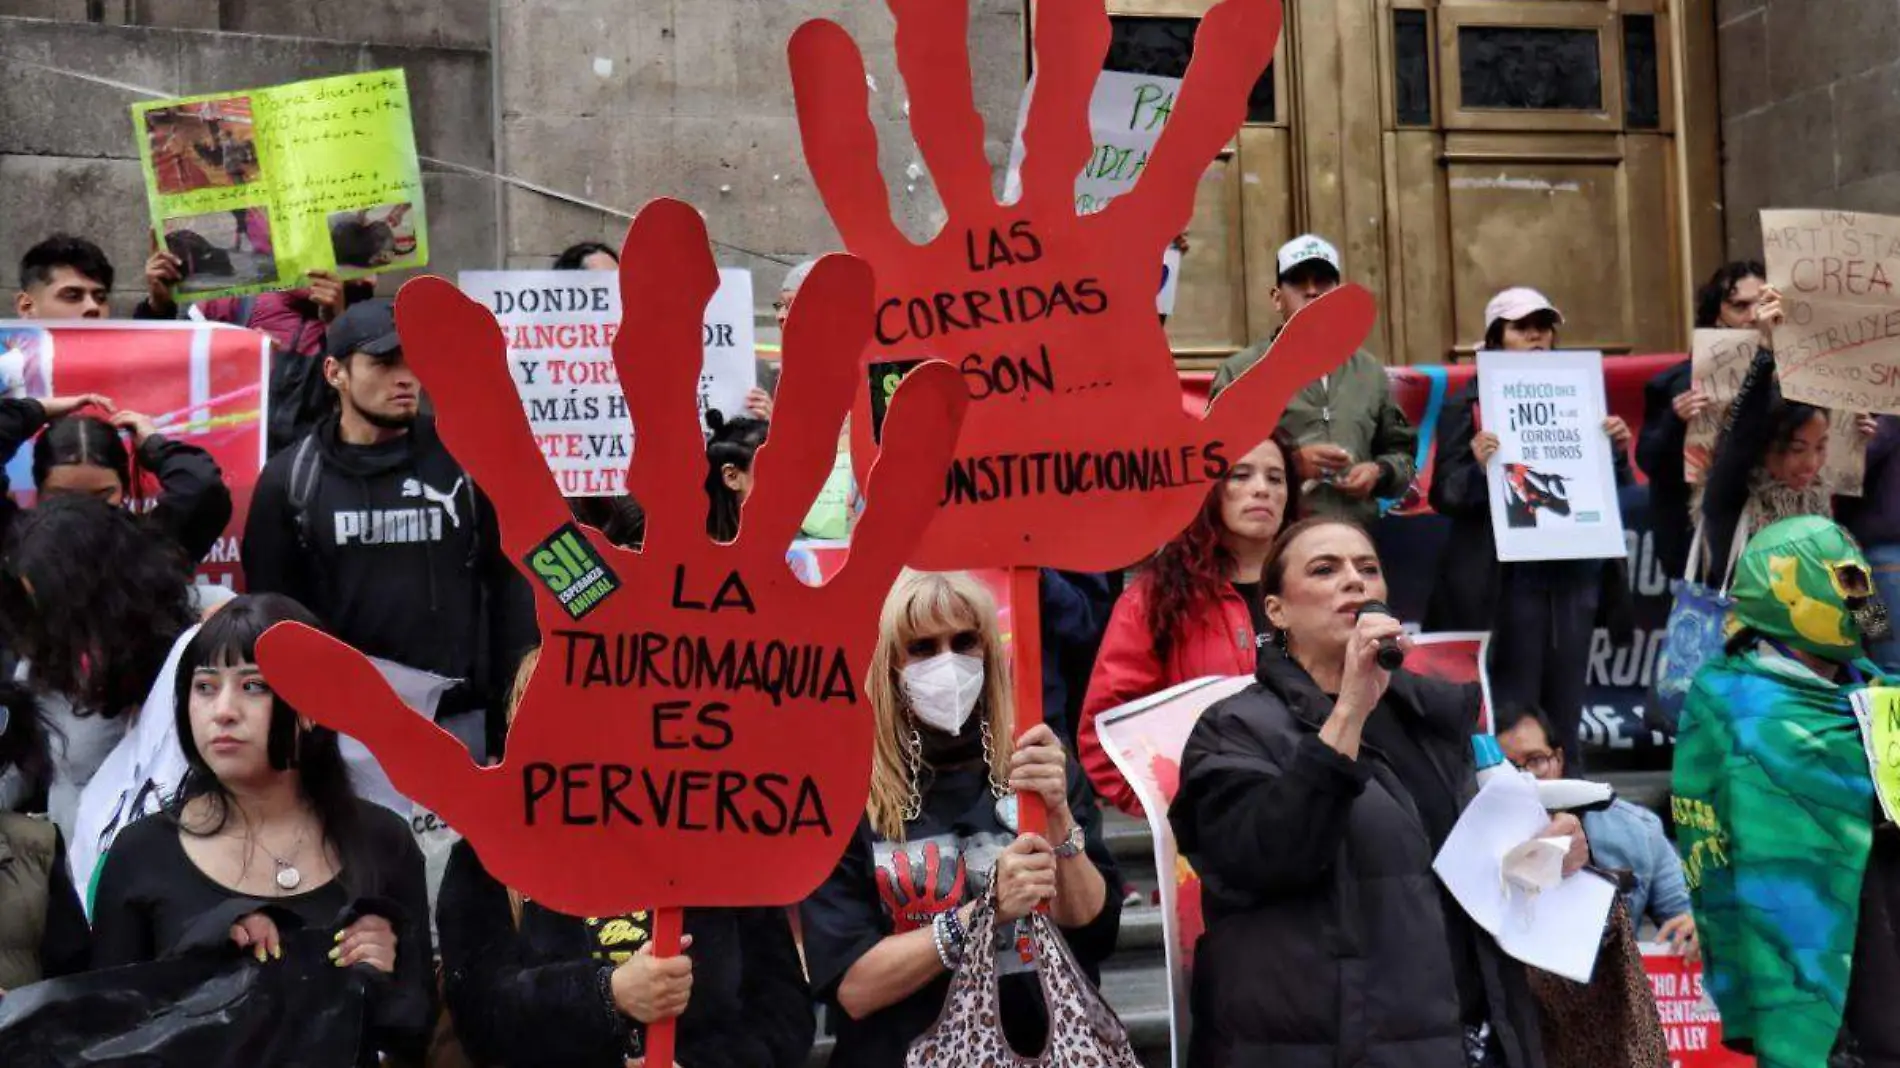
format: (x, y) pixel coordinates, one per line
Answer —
(1083, 1031)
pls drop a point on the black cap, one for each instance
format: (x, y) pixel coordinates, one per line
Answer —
(367, 326)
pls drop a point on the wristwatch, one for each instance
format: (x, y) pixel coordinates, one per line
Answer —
(1072, 845)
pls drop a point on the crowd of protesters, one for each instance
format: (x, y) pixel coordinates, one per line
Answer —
(1312, 804)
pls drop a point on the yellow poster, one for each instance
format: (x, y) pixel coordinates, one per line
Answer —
(253, 190)
(1878, 709)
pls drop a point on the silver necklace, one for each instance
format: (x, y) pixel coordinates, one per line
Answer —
(288, 877)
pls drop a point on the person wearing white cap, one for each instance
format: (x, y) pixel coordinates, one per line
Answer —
(1355, 445)
(1541, 614)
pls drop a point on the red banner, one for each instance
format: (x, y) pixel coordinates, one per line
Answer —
(1690, 1022)
(201, 383)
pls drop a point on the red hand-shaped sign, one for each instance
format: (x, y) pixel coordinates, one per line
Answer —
(696, 732)
(1077, 452)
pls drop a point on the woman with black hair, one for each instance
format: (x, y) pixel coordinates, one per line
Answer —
(729, 454)
(1196, 608)
(1770, 459)
(587, 256)
(83, 454)
(91, 603)
(265, 837)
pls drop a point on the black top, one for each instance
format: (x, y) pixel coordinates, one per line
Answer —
(66, 945)
(882, 888)
(395, 550)
(532, 995)
(1256, 599)
(193, 506)
(1659, 454)
(153, 902)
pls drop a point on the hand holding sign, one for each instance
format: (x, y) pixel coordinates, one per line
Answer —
(695, 733)
(1077, 452)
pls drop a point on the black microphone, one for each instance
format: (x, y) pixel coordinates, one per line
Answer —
(1391, 654)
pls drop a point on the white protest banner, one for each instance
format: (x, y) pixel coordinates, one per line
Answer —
(560, 328)
(1127, 113)
(1836, 270)
(1553, 480)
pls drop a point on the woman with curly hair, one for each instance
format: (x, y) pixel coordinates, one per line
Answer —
(1196, 609)
(91, 603)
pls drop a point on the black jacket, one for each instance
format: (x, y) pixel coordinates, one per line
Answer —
(1659, 453)
(531, 996)
(395, 550)
(1470, 577)
(1326, 938)
(1739, 449)
(193, 506)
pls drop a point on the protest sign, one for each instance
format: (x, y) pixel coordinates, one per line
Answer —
(1553, 481)
(1836, 270)
(1127, 113)
(1077, 451)
(1878, 710)
(1170, 281)
(254, 189)
(697, 709)
(1719, 360)
(560, 328)
(202, 384)
(1691, 1025)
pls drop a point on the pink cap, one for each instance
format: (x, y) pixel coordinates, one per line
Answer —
(1519, 303)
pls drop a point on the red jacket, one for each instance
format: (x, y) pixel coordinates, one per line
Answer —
(1127, 669)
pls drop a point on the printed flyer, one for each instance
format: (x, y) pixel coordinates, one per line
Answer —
(1553, 482)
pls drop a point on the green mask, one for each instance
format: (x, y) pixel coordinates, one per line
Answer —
(1805, 582)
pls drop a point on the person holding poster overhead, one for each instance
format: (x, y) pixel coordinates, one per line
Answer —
(887, 929)
(1793, 869)
(1355, 445)
(1541, 613)
(1770, 460)
(1196, 608)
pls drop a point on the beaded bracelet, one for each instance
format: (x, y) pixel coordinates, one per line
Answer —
(947, 935)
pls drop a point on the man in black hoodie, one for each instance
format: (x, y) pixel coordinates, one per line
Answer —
(371, 523)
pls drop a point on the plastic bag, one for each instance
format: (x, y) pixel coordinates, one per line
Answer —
(205, 1010)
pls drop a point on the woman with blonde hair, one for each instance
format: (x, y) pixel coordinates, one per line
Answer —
(884, 933)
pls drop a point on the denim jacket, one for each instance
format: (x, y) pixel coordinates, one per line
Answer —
(1628, 836)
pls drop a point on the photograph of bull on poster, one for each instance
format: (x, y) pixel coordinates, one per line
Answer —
(1836, 270)
(1553, 483)
(560, 328)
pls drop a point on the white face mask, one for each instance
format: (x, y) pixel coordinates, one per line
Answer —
(943, 689)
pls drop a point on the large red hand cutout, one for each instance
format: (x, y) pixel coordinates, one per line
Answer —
(696, 732)
(1076, 452)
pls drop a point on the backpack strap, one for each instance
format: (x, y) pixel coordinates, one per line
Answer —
(306, 469)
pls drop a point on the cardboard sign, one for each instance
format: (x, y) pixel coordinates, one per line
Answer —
(696, 733)
(1878, 710)
(560, 327)
(200, 383)
(1077, 452)
(1691, 1024)
(1836, 270)
(1553, 481)
(1127, 113)
(1719, 362)
(253, 190)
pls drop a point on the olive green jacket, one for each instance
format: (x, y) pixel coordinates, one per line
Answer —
(1353, 409)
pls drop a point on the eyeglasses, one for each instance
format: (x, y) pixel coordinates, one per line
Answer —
(1537, 763)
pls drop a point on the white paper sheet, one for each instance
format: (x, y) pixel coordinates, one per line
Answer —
(1558, 930)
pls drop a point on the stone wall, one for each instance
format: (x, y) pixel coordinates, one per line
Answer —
(68, 159)
(621, 102)
(610, 101)
(1810, 92)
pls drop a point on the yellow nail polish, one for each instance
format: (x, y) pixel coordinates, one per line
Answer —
(338, 938)
(277, 953)
(260, 954)
(336, 953)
